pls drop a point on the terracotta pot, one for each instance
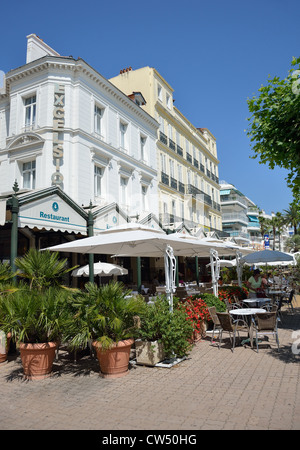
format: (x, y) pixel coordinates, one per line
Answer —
(114, 362)
(37, 359)
(4, 351)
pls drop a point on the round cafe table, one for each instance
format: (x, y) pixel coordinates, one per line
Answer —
(246, 313)
(256, 301)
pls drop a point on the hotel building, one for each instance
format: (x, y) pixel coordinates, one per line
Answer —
(188, 180)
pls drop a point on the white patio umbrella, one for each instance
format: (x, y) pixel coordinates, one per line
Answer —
(101, 269)
(135, 240)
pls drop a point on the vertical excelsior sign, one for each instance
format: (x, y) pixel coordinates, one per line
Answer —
(58, 127)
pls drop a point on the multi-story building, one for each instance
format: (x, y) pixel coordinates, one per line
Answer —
(188, 180)
(240, 216)
(70, 138)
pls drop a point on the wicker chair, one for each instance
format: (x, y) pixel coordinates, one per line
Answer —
(213, 314)
(232, 327)
(264, 324)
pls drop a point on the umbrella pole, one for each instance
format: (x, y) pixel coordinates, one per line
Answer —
(139, 274)
(170, 274)
(215, 270)
(197, 270)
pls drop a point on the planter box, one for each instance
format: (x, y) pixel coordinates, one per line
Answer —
(149, 353)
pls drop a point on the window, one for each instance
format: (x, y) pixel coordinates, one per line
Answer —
(161, 124)
(98, 117)
(144, 198)
(98, 174)
(30, 112)
(174, 207)
(163, 162)
(123, 189)
(143, 150)
(168, 100)
(28, 175)
(179, 170)
(172, 168)
(187, 146)
(123, 137)
(159, 92)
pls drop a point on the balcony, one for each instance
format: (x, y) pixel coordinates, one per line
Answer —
(181, 187)
(235, 217)
(172, 144)
(179, 150)
(173, 183)
(163, 138)
(165, 178)
(189, 158)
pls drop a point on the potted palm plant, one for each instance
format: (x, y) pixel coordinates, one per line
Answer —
(34, 311)
(35, 320)
(42, 269)
(105, 317)
(6, 286)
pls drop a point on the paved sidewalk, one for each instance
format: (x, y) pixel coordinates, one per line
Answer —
(212, 389)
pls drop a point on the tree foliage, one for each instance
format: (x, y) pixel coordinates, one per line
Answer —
(274, 128)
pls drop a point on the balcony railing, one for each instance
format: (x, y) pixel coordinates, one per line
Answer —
(235, 217)
(189, 158)
(172, 144)
(181, 187)
(196, 164)
(173, 183)
(165, 178)
(163, 138)
(179, 150)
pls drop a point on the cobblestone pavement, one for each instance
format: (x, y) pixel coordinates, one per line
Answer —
(213, 389)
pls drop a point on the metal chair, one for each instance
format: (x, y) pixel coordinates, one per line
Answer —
(264, 324)
(213, 314)
(230, 306)
(232, 327)
(288, 300)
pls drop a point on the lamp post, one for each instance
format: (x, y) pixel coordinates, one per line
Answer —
(91, 233)
(14, 229)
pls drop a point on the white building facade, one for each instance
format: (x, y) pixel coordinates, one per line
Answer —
(74, 147)
(63, 124)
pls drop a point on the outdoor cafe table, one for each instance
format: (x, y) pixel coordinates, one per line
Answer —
(256, 301)
(246, 314)
(276, 293)
(246, 311)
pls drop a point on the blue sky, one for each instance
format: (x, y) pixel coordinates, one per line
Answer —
(214, 54)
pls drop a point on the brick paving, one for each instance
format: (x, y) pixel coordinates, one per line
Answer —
(213, 389)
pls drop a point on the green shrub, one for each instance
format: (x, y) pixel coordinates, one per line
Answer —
(34, 316)
(171, 328)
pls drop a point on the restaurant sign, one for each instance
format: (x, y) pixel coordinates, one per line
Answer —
(51, 213)
(58, 128)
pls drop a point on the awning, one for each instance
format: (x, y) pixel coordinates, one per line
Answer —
(2, 212)
(51, 209)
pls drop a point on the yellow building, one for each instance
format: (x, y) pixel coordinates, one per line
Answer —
(188, 181)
